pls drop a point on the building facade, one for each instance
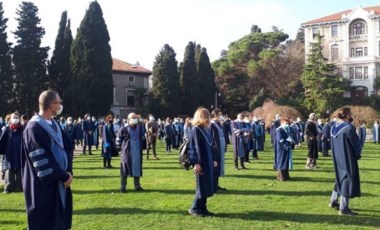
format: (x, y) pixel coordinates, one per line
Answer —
(131, 87)
(352, 42)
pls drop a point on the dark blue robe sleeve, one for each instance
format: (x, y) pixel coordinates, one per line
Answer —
(356, 145)
(37, 150)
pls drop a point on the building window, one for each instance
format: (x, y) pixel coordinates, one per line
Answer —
(358, 72)
(315, 31)
(352, 52)
(352, 72)
(334, 31)
(365, 51)
(365, 72)
(359, 52)
(358, 28)
(131, 79)
(334, 52)
(130, 98)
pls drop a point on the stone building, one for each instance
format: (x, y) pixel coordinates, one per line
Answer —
(352, 42)
(131, 87)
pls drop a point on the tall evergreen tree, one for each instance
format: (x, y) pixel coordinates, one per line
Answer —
(29, 58)
(206, 78)
(6, 69)
(166, 88)
(189, 81)
(324, 87)
(59, 67)
(90, 87)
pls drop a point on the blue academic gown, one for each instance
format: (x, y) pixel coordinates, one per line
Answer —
(10, 147)
(346, 149)
(362, 134)
(273, 132)
(283, 149)
(88, 128)
(131, 150)
(237, 138)
(70, 132)
(41, 175)
(326, 139)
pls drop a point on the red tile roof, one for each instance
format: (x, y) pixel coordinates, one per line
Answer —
(119, 65)
(338, 16)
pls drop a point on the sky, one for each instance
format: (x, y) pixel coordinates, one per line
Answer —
(140, 28)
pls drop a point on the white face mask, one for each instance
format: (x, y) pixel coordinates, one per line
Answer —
(93, 119)
(134, 121)
(246, 120)
(69, 122)
(88, 118)
(15, 121)
(221, 118)
(59, 110)
(151, 118)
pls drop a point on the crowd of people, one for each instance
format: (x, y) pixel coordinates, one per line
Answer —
(37, 154)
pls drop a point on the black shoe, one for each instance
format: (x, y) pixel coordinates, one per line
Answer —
(243, 167)
(123, 190)
(222, 189)
(139, 189)
(348, 212)
(195, 213)
(208, 213)
(334, 205)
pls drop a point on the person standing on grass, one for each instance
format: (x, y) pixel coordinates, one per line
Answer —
(217, 133)
(362, 133)
(346, 150)
(88, 128)
(151, 136)
(169, 135)
(69, 129)
(311, 132)
(47, 168)
(326, 138)
(376, 132)
(283, 143)
(96, 132)
(187, 129)
(130, 137)
(10, 147)
(108, 139)
(238, 134)
(202, 156)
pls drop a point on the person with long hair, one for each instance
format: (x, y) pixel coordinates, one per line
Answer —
(202, 156)
(346, 150)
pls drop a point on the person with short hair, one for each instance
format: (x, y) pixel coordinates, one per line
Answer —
(88, 127)
(203, 158)
(346, 150)
(151, 136)
(169, 135)
(187, 129)
(47, 168)
(238, 134)
(326, 138)
(283, 143)
(376, 132)
(311, 132)
(108, 138)
(130, 137)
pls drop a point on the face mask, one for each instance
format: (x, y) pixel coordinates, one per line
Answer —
(135, 121)
(141, 120)
(69, 122)
(151, 118)
(246, 120)
(15, 121)
(88, 118)
(93, 119)
(59, 111)
(221, 118)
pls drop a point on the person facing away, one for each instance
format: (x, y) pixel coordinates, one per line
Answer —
(376, 132)
(169, 135)
(311, 132)
(326, 138)
(346, 150)
(362, 133)
(202, 156)
(283, 143)
(130, 137)
(95, 135)
(238, 133)
(10, 147)
(151, 136)
(217, 133)
(47, 168)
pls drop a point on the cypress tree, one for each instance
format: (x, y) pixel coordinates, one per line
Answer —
(90, 87)
(189, 81)
(166, 88)
(29, 58)
(59, 66)
(6, 70)
(206, 78)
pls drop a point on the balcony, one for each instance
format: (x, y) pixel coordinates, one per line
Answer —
(358, 37)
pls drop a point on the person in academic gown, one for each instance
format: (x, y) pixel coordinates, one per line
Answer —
(276, 123)
(311, 132)
(202, 156)
(326, 138)
(376, 132)
(79, 131)
(283, 147)
(217, 133)
(362, 133)
(346, 150)
(108, 141)
(95, 135)
(169, 135)
(47, 168)
(130, 137)
(70, 130)
(88, 129)
(238, 133)
(257, 133)
(320, 133)
(227, 130)
(10, 147)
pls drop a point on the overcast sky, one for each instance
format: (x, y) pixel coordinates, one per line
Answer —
(139, 28)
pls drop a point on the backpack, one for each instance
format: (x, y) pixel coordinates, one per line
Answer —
(183, 155)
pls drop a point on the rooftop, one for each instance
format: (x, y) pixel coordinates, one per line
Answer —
(119, 65)
(339, 16)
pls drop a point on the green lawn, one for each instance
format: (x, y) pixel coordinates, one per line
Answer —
(254, 200)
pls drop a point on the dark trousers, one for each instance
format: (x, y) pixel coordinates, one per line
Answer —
(168, 145)
(151, 145)
(12, 180)
(236, 161)
(84, 149)
(199, 205)
(123, 182)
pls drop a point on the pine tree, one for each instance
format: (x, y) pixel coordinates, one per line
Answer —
(6, 69)
(206, 78)
(166, 88)
(59, 66)
(90, 87)
(189, 81)
(29, 59)
(323, 86)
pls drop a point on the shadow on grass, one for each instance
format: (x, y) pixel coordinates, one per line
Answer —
(292, 178)
(138, 211)
(10, 222)
(304, 218)
(95, 176)
(13, 210)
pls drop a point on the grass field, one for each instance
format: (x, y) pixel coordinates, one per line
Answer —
(254, 200)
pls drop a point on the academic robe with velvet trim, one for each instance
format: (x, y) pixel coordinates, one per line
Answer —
(203, 153)
(41, 175)
(215, 127)
(10, 147)
(88, 128)
(237, 138)
(346, 149)
(283, 149)
(126, 160)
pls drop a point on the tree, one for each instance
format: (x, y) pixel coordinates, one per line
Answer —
(59, 67)
(90, 87)
(166, 88)
(324, 87)
(189, 81)
(29, 59)
(206, 78)
(6, 69)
